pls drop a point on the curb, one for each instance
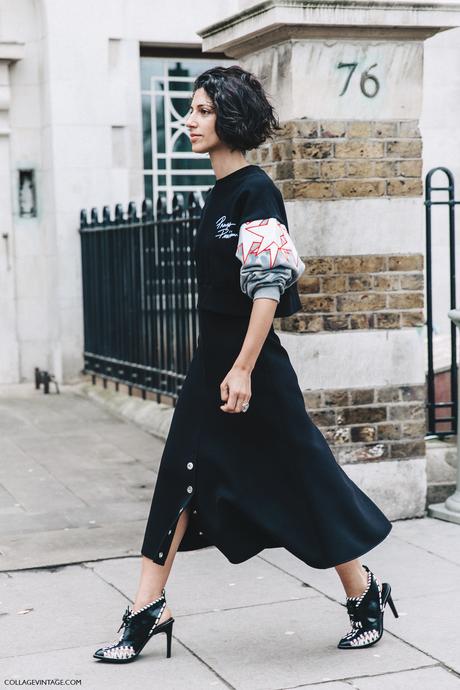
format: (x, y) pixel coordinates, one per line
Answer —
(153, 417)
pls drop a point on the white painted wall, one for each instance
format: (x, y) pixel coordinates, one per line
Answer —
(23, 310)
(78, 80)
(76, 119)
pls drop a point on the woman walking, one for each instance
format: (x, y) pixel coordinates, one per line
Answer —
(244, 468)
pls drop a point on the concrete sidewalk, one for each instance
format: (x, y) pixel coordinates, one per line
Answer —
(75, 489)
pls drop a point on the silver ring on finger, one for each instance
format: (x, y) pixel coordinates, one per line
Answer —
(244, 407)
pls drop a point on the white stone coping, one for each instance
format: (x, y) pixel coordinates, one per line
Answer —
(356, 359)
(423, 18)
(343, 227)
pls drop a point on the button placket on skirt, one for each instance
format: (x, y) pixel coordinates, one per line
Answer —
(190, 489)
(188, 475)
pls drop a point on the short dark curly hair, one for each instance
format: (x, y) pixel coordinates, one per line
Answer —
(244, 116)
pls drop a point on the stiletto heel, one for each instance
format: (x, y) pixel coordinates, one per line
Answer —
(167, 627)
(169, 638)
(138, 628)
(392, 606)
(366, 613)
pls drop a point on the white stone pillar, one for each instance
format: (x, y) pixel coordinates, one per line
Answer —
(346, 81)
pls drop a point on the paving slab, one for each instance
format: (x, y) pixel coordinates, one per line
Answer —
(190, 590)
(76, 481)
(65, 546)
(430, 624)
(402, 564)
(283, 645)
(44, 610)
(183, 671)
(435, 536)
(335, 685)
(431, 678)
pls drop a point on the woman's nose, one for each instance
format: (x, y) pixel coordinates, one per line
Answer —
(189, 120)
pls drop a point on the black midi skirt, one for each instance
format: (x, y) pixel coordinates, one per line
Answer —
(260, 479)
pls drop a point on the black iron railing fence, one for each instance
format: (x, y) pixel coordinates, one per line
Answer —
(450, 406)
(139, 294)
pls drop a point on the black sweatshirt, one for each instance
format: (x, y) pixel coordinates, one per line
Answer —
(243, 250)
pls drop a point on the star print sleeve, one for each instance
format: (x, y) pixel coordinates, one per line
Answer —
(269, 260)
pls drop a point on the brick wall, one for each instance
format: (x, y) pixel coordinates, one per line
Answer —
(332, 159)
(359, 292)
(374, 423)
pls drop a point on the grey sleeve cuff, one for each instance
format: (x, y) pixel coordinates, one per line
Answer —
(270, 292)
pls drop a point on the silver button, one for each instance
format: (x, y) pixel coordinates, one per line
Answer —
(170, 531)
(189, 465)
(190, 489)
(200, 532)
(194, 512)
(161, 554)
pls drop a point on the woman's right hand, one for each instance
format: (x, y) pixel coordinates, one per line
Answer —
(235, 389)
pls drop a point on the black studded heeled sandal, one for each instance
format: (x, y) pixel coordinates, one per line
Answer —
(138, 628)
(366, 613)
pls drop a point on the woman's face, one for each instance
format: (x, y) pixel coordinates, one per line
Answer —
(201, 123)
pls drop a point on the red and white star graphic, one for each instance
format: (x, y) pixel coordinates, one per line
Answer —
(268, 235)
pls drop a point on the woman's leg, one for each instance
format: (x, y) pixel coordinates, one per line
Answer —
(154, 576)
(353, 577)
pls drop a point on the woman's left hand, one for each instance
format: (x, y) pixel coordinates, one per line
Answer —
(235, 389)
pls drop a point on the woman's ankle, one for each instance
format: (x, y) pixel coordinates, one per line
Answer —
(357, 589)
(142, 599)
